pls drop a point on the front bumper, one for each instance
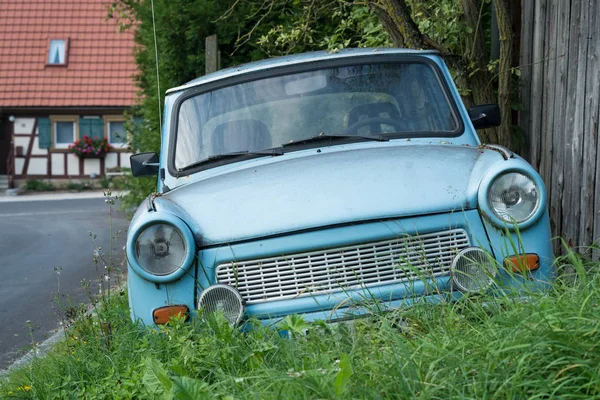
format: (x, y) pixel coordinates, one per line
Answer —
(146, 296)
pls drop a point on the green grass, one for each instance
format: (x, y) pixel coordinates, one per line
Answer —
(544, 346)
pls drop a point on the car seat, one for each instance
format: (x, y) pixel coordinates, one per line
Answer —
(240, 135)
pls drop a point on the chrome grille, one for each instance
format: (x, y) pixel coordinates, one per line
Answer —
(331, 270)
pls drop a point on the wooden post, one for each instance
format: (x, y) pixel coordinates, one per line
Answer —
(212, 53)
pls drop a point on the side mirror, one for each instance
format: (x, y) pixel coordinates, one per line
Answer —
(485, 116)
(144, 164)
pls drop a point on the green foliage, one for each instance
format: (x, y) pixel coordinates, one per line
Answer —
(358, 27)
(155, 379)
(332, 25)
(34, 185)
(544, 345)
(343, 376)
(185, 388)
(79, 186)
(442, 21)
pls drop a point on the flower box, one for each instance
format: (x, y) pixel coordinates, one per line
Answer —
(90, 148)
(100, 155)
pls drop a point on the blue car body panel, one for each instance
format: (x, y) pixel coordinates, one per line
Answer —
(334, 196)
(308, 189)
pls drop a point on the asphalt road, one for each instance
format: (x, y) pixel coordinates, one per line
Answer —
(36, 237)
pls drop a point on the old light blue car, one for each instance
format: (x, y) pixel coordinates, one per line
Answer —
(321, 183)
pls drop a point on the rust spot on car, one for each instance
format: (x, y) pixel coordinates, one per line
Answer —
(505, 153)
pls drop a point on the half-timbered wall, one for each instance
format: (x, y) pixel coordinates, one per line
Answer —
(32, 162)
(560, 72)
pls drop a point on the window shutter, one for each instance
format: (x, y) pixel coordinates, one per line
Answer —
(97, 128)
(45, 140)
(85, 127)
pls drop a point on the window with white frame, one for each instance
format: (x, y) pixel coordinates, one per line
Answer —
(57, 52)
(64, 130)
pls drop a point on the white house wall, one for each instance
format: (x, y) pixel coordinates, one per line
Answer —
(38, 166)
(23, 125)
(36, 146)
(125, 159)
(58, 164)
(72, 164)
(111, 160)
(33, 162)
(91, 166)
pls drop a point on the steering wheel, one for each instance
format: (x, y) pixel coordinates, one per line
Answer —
(396, 123)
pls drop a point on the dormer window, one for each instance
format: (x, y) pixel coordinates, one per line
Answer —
(57, 52)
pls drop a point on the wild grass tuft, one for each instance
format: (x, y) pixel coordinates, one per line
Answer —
(514, 345)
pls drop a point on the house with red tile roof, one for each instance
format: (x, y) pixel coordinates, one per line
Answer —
(66, 72)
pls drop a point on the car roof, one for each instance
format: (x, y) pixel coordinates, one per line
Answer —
(295, 59)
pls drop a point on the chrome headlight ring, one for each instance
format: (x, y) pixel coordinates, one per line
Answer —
(473, 270)
(224, 299)
(517, 186)
(161, 247)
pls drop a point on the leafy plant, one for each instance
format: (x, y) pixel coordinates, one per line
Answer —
(79, 186)
(34, 185)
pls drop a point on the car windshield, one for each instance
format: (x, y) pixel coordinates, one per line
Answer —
(379, 100)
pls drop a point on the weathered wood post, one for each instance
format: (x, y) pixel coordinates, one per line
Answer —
(211, 47)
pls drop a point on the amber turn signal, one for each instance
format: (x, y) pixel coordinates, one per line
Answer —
(164, 314)
(527, 262)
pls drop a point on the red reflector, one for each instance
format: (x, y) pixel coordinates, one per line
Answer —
(164, 314)
(522, 262)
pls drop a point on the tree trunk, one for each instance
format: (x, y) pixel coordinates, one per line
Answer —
(396, 18)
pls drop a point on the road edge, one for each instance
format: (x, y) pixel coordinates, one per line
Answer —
(40, 350)
(95, 194)
(43, 348)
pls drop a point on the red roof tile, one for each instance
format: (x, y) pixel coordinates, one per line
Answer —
(100, 65)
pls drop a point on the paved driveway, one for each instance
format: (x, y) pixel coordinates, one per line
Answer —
(36, 237)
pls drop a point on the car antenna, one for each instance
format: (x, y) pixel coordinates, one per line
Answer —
(157, 74)
(165, 188)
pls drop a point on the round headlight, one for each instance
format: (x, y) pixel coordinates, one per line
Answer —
(160, 249)
(224, 299)
(473, 270)
(514, 197)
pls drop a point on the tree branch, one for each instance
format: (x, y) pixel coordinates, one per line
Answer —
(396, 18)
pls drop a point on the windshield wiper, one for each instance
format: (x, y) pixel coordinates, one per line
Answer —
(324, 136)
(245, 153)
(233, 154)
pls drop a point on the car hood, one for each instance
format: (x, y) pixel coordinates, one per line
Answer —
(329, 188)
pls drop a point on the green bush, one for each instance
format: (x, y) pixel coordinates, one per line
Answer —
(79, 186)
(34, 185)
